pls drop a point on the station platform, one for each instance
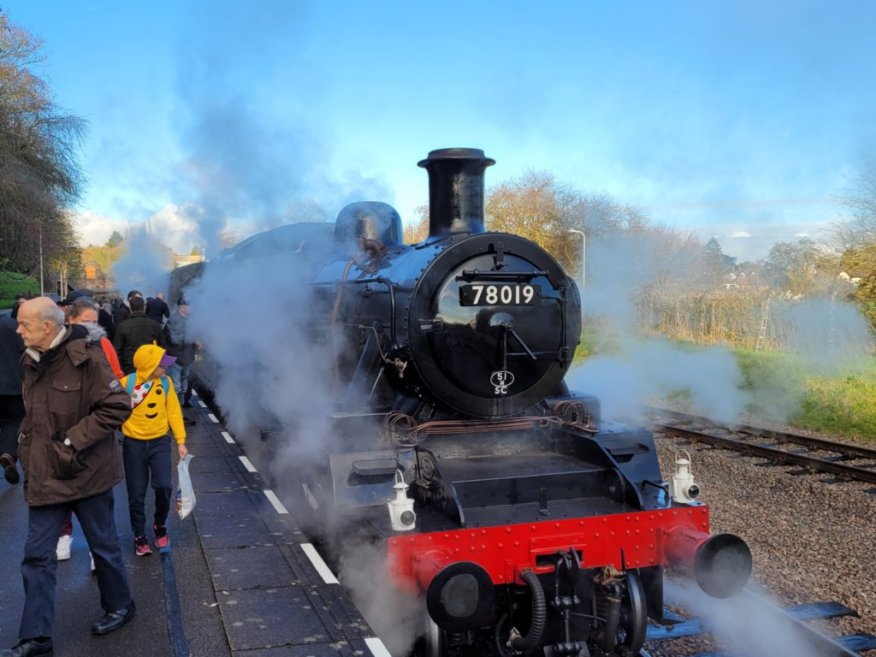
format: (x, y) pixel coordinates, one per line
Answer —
(240, 580)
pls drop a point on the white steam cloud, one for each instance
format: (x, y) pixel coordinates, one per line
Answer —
(738, 624)
(826, 336)
(253, 316)
(398, 617)
(144, 265)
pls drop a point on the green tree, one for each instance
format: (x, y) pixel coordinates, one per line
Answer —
(39, 173)
(860, 264)
(858, 236)
(115, 239)
(792, 267)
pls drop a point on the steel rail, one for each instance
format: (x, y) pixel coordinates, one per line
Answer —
(707, 435)
(773, 454)
(792, 619)
(857, 451)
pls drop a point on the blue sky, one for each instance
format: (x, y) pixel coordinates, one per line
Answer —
(725, 118)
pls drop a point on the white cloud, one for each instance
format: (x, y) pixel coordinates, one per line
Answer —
(170, 225)
(175, 228)
(95, 229)
(753, 240)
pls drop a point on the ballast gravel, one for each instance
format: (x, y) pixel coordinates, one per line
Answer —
(813, 538)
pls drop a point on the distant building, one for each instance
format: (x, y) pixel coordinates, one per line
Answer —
(98, 281)
(93, 278)
(183, 260)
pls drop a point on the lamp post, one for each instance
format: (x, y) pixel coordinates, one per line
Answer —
(42, 287)
(583, 253)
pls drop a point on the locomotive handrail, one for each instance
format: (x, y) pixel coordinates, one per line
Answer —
(390, 286)
(469, 275)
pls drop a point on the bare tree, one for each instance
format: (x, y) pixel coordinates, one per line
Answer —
(544, 210)
(418, 231)
(39, 173)
(860, 229)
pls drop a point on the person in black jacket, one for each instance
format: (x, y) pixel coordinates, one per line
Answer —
(134, 332)
(11, 406)
(157, 309)
(124, 310)
(178, 345)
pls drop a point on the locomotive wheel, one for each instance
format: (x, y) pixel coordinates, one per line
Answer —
(634, 618)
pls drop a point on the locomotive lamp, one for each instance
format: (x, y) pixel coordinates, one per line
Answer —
(401, 509)
(683, 488)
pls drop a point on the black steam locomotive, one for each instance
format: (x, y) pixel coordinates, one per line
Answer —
(527, 524)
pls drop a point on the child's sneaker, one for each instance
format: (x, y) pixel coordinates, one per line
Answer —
(162, 540)
(141, 546)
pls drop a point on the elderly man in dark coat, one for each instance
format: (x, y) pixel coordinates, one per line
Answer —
(71, 460)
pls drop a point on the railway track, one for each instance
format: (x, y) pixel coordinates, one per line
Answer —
(785, 631)
(844, 461)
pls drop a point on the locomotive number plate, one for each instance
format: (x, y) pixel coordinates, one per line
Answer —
(502, 294)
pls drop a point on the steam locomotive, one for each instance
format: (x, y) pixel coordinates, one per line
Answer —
(527, 523)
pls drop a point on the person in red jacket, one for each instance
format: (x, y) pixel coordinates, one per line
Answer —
(84, 310)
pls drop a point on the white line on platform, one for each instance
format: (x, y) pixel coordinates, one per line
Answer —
(275, 501)
(376, 647)
(195, 393)
(201, 402)
(228, 438)
(324, 571)
(213, 417)
(247, 464)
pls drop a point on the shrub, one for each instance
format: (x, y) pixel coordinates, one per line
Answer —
(14, 285)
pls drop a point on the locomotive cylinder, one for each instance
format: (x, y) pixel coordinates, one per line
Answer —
(721, 564)
(456, 190)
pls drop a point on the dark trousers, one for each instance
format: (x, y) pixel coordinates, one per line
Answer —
(11, 415)
(38, 567)
(142, 459)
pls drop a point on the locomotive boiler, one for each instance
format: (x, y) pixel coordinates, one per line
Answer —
(527, 523)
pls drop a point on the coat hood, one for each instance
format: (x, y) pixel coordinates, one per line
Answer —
(146, 359)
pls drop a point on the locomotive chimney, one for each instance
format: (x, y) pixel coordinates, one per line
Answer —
(456, 190)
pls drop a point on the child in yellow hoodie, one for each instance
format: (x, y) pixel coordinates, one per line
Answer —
(156, 411)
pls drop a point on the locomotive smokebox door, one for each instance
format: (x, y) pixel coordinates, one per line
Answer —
(503, 321)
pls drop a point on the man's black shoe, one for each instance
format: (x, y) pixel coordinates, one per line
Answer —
(30, 648)
(114, 620)
(189, 420)
(10, 472)
(186, 404)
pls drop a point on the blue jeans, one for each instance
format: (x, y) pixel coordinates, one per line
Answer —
(142, 459)
(179, 374)
(38, 568)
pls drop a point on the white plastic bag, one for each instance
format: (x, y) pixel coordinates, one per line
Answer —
(185, 493)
